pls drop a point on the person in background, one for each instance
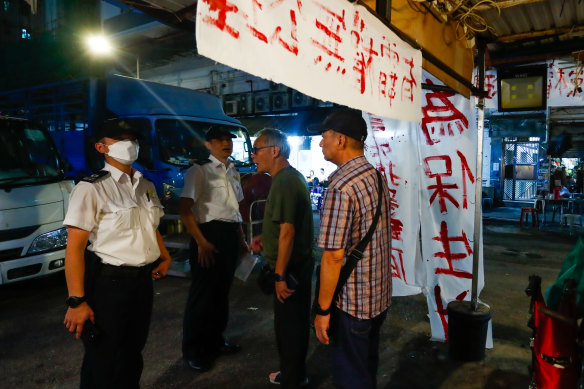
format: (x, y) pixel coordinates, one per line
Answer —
(109, 282)
(209, 209)
(286, 242)
(352, 323)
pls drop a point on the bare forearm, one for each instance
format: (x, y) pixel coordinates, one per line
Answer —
(189, 220)
(285, 245)
(75, 261)
(75, 273)
(164, 254)
(331, 263)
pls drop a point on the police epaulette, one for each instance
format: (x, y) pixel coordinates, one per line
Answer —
(96, 176)
(202, 161)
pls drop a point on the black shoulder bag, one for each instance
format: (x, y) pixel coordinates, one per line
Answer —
(353, 258)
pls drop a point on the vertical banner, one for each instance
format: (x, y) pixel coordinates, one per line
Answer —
(430, 167)
(391, 146)
(333, 50)
(448, 147)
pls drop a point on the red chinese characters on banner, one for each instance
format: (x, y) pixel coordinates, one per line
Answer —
(441, 309)
(382, 153)
(442, 117)
(222, 7)
(292, 44)
(330, 40)
(364, 52)
(575, 79)
(397, 264)
(448, 254)
(409, 81)
(388, 80)
(440, 189)
(561, 83)
(490, 85)
(443, 169)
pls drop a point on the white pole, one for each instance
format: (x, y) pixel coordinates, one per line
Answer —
(478, 183)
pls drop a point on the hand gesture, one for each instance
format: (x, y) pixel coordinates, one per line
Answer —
(282, 291)
(75, 318)
(321, 326)
(160, 271)
(206, 256)
(256, 244)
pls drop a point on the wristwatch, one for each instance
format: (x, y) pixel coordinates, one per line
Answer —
(322, 312)
(74, 301)
(279, 278)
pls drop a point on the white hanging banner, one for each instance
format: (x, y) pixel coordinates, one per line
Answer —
(561, 88)
(430, 168)
(392, 147)
(332, 50)
(448, 147)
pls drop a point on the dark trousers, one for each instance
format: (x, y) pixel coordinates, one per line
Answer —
(207, 309)
(355, 354)
(292, 326)
(123, 307)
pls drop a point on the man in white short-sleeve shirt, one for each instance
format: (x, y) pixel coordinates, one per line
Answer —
(110, 289)
(209, 209)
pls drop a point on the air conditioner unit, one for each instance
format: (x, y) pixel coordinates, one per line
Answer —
(275, 87)
(280, 101)
(230, 107)
(262, 102)
(245, 103)
(320, 103)
(300, 100)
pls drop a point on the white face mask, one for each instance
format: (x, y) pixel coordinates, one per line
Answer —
(124, 151)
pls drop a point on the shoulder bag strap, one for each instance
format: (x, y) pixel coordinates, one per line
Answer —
(357, 253)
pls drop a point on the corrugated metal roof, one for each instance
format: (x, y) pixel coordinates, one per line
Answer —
(527, 30)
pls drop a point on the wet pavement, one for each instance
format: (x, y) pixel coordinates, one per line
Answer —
(37, 352)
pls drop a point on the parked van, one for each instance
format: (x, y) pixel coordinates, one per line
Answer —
(34, 195)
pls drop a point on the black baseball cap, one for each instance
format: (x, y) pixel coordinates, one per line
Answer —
(217, 132)
(346, 121)
(115, 128)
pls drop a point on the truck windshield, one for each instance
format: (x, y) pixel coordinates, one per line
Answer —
(182, 142)
(27, 156)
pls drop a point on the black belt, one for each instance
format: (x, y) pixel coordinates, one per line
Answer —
(127, 271)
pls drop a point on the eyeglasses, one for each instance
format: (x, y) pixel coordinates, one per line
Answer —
(255, 149)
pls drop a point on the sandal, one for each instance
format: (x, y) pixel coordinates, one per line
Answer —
(274, 378)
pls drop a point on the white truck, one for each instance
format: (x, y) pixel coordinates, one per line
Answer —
(34, 195)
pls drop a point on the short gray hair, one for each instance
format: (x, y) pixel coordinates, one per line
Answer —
(276, 138)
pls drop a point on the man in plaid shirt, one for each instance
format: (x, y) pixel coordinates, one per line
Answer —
(353, 322)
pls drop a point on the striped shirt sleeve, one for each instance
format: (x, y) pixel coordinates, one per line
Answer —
(336, 220)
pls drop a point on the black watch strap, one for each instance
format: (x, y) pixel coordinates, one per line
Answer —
(74, 301)
(279, 278)
(322, 312)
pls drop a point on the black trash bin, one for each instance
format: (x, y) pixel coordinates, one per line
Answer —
(467, 330)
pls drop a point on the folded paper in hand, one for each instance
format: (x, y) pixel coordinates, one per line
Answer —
(246, 264)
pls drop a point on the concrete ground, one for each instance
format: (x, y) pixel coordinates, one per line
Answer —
(37, 352)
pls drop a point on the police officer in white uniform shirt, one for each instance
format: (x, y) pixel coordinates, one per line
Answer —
(210, 212)
(110, 282)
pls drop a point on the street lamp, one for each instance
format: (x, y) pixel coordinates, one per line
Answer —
(101, 46)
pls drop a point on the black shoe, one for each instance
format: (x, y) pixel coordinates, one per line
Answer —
(229, 348)
(201, 365)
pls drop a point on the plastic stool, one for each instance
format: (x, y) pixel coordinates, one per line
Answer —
(525, 212)
(487, 201)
